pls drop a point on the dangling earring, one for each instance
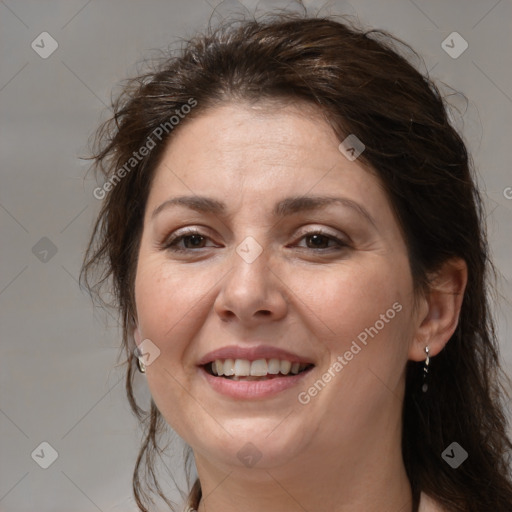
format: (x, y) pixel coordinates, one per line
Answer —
(141, 366)
(424, 387)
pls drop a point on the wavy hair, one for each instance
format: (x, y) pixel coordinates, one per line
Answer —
(364, 83)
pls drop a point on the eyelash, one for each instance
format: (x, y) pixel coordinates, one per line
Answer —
(171, 243)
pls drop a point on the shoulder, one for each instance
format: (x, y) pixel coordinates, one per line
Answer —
(427, 504)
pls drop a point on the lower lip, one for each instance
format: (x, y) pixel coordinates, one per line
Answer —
(244, 390)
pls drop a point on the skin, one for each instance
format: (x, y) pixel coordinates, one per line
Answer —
(341, 451)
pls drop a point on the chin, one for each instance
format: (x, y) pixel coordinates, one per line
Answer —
(255, 443)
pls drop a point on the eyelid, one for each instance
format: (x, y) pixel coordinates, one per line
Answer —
(179, 234)
(320, 230)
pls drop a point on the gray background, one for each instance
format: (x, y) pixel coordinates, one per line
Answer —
(59, 380)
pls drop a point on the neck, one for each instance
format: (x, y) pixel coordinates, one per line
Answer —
(348, 477)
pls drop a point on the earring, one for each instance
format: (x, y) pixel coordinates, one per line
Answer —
(140, 365)
(425, 371)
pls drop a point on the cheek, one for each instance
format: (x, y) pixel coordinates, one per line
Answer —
(365, 310)
(168, 305)
(164, 297)
(353, 297)
(164, 307)
(367, 314)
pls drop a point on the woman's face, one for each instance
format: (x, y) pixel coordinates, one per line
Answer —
(265, 245)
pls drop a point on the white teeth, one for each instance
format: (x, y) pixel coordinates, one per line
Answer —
(218, 367)
(258, 368)
(229, 366)
(274, 366)
(242, 367)
(285, 367)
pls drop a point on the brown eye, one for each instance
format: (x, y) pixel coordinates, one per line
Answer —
(187, 241)
(318, 240)
(195, 241)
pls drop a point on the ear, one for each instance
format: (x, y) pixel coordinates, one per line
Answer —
(440, 308)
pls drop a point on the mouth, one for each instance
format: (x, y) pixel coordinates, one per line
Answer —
(253, 372)
(257, 370)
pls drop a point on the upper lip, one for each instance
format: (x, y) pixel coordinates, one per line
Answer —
(252, 354)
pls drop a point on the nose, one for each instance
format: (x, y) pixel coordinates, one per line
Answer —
(251, 292)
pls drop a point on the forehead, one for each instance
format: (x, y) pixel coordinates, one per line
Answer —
(267, 150)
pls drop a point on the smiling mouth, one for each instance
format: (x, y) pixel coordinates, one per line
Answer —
(258, 370)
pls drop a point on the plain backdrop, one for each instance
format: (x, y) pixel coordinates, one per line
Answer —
(59, 380)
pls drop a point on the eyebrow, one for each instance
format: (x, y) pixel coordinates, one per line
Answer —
(283, 208)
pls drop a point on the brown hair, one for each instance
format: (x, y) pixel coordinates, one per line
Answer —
(364, 85)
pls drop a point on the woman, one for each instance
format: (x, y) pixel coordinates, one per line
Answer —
(297, 250)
